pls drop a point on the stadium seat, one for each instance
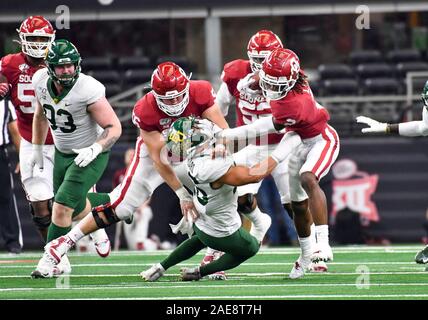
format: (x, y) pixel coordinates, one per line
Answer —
(340, 87)
(335, 71)
(342, 117)
(315, 87)
(106, 76)
(135, 62)
(97, 63)
(418, 84)
(404, 67)
(374, 70)
(385, 86)
(135, 77)
(383, 112)
(404, 55)
(365, 56)
(113, 89)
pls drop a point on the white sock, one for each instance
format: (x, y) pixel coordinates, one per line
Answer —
(322, 234)
(306, 247)
(254, 215)
(75, 234)
(313, 234)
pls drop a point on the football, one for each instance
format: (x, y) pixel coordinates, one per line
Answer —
(255, 85)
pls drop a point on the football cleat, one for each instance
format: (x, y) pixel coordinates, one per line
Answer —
(298, 271)
(322, 253)
(190, 274)
(63, 267)
(153, 273)
(101, 242)
(318, 267)
(259, 230)
(47, 266)
(422, 256)
(219, 275)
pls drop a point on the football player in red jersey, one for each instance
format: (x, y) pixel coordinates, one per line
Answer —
(294, 108)
(250, 106)
(16, 72)
(173, 95)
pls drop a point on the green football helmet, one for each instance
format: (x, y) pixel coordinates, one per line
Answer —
(425, 95)
(185, 140)
(63, 52)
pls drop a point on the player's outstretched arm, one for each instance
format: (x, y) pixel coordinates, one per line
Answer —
(406, 129)
(242, 175)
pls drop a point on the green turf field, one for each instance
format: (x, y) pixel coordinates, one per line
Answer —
(358, 272)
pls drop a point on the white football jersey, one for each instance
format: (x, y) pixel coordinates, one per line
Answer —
(71, 124)
(217, 207)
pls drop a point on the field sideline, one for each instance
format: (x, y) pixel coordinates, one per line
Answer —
(358, 272)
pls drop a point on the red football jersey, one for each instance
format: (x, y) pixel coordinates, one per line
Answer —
(149, 117)
(300, 112)
(19, 73)
(248, 109)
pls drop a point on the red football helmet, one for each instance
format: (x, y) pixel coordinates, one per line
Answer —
(279, 73)
(259, 47)
(170, 86)
(32, 28)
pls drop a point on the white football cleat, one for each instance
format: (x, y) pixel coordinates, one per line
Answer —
(46, 268)
(322, 253)
(153, 273)
(48, 264)
(318, 267)
(258, 231)
(297, 272)
(63, 267)
(101, 242)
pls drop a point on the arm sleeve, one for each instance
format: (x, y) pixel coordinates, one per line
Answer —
(288, 142)
(224, 99)
(258, 128)
(415, 128)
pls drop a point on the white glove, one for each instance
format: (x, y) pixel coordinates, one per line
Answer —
(374, 126)
(207, 125)
(86, 155)
(186, 203)
(36, 157)
(244, 85)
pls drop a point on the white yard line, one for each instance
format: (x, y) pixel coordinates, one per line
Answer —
(238, 274)
(105, 287)
(294, 250)
(234, 297)
(190, 264)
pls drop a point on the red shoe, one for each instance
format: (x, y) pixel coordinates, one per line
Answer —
(219, 275)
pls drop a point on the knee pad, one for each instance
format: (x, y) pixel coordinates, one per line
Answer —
(41, 222)
(247, 205)
(109, 215)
